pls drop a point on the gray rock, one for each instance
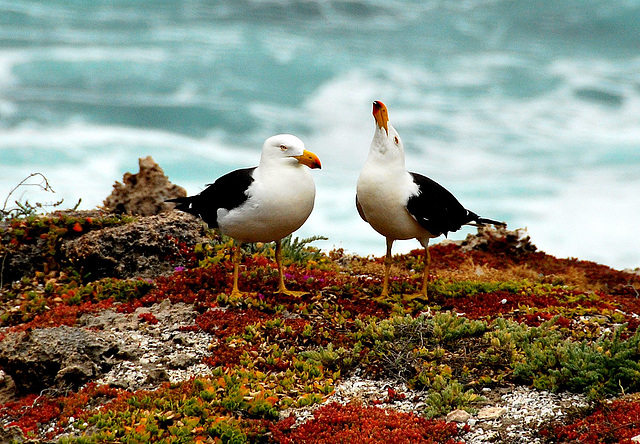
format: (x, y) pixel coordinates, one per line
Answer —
(7, 388)
(62, 357)
(147, 247)
(156, 376)
(11, 434)
(109, 320)
(137, 249)
(114, 348)
(514, 241)
(183, 360)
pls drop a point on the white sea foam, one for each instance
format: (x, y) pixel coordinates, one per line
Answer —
(592, 217)
(9, 58)
(87, 137)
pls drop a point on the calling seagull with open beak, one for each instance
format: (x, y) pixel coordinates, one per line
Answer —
(260, 204)
(403, 205)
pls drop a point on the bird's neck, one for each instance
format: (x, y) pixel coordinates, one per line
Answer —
(281, 171)
(384, 157)
(267, 162)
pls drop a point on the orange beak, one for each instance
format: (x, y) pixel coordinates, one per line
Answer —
(381, 115)
(309, 159)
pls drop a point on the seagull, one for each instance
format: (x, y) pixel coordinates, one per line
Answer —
(403, 205)
(260, 204)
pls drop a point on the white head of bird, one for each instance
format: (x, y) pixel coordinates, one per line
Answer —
(386, 144)
(288, 149)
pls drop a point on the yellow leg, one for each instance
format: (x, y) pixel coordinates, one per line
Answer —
(236, 265)
(427, 264)
(387, 268)
(281, 287)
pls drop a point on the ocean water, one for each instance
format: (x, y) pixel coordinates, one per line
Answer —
(529, 112)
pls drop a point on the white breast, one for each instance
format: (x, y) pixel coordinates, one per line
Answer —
(383, 194)
(279, 203)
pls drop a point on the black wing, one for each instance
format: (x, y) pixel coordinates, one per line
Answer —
(436, 209)
(228, 191)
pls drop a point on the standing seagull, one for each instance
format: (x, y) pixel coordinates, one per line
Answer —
(403, 205)
(260, 204)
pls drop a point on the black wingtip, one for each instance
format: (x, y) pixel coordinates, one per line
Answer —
(485, 221)
(182, 204)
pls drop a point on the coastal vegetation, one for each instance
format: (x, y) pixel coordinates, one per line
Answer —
(499, 314)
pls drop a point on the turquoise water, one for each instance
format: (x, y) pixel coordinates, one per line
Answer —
(527, 111)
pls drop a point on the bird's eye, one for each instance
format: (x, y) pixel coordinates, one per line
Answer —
(396, 140)
(283, 147)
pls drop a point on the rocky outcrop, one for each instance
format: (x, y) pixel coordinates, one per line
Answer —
(144, 248)
(489, 237)
(145, 192)
(54, 357)
(118, 349)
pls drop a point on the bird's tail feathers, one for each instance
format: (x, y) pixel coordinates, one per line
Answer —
(477, 221)
(481, 221)
(183, 204)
